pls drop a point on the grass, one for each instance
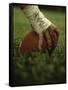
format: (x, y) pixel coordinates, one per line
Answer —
(38, 67)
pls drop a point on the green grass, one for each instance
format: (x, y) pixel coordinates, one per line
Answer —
(38, 67)
(21, 24)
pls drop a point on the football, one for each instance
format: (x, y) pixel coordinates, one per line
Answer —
(31, 41)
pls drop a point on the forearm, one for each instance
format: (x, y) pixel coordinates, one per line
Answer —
(38, 21)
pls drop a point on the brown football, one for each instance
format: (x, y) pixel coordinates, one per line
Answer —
(31, 41)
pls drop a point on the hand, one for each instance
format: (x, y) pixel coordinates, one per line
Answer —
(50, 40)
